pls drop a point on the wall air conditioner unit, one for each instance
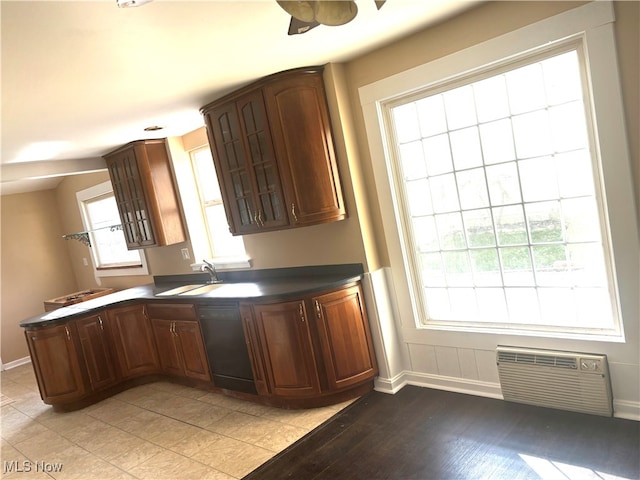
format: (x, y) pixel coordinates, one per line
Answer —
(547, 378)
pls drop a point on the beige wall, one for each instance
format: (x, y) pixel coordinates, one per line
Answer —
(35, 264)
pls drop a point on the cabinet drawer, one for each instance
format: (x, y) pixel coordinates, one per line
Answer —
(172, 311)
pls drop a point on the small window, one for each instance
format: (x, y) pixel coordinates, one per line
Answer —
(109, 251)
(223, 244)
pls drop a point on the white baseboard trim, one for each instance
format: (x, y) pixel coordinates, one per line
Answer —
(621, 408)
(16, 363)
(439, 382)
(626, 409)
(389, 385)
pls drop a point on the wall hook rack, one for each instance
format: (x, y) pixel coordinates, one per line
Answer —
(83, 237)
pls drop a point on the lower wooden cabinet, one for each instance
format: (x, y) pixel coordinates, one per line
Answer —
(55, 362)
(286, 347)
(312, 346)
(298, 352)
(179, 340)
(97, 352)
(133, 340)
(345, 339)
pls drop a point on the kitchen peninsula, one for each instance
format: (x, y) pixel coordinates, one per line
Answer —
(293, 337)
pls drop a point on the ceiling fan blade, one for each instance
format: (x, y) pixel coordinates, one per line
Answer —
(297, 27)
(379, 3)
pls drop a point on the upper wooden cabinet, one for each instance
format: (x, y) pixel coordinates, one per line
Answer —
(144, 190)
(273, 152)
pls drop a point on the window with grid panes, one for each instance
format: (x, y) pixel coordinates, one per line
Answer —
(501, 199)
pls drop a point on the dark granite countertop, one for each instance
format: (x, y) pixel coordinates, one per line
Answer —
(266, 285)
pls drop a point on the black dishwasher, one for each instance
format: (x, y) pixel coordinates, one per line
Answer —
(226, 347)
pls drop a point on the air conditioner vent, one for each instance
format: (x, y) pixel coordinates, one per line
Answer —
(555, 379)
(527, 358)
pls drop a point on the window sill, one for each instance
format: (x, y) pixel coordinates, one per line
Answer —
(223, 264)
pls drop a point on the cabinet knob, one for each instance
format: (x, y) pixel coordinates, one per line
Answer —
(66, 329)
(100, 322)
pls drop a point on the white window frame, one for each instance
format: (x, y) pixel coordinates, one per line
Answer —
(593, 24)
(101, 190)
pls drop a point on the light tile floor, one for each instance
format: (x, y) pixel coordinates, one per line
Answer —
(155, 431)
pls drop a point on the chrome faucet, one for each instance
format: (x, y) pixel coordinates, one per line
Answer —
(211, 270)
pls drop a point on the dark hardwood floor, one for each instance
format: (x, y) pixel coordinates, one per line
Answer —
(421, 433)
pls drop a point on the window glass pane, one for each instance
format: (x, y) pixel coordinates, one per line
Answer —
(442, 188)
(450, 231)
(460, 107)
(526, 89)
(491, 99)
(574, 174)
(479, 228)
(406, 121)
(418, 198)
(532, 134)
(486, 267)
(516, 266)
(568, 129)
(510, 226)
(431, 115)
(562, 78)
(473, 188)
(424, 229)
(504, 184)
(438, 153)
(465, 145)
(413, 162)
(545, 224)
(497, 141)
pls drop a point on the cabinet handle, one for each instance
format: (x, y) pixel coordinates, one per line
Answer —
(318, 313)
(293, 212)
(301, 312)
(66, 329)
(172, 329)
(100, 322)
(260, 218)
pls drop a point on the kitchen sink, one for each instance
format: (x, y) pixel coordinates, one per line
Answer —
(178, 290)
(203, 289)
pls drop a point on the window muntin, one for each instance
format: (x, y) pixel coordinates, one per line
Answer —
(498, 192)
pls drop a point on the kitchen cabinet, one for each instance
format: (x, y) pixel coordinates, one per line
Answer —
(274, 155)
(311, 346)
(345, 339)
(179, 340)
(145, 193)
(96, 352)
(133, 340)
(286, 348)
(226, 347)
(55, 362)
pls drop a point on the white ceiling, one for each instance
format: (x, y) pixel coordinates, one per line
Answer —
(84, 77)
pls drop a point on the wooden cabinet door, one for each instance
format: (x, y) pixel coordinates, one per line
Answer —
(55, 362)
(168, 350)
(254, 349)
(191, 347)
(246, 166)
(303, 143)
(345, 338)
(97, 352)
(133, 340)
(130, 198)
(286, 345)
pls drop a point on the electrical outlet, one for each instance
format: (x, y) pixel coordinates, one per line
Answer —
(85, 262)
(185, 254)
